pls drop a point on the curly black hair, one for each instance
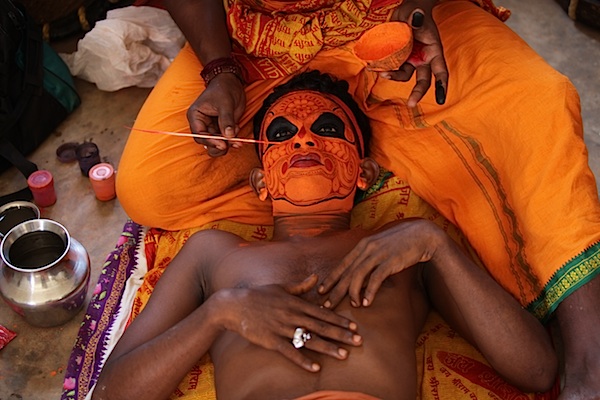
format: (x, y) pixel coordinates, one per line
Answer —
(318, 82)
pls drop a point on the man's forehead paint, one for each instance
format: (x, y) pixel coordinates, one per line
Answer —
(303, 109)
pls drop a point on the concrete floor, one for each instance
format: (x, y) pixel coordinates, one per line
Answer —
(32, 365)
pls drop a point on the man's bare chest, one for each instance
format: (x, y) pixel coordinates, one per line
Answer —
(279, 263)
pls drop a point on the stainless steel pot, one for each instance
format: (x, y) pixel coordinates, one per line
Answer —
(45, 273)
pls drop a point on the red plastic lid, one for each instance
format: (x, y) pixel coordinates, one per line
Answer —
(102, 171)
(40, 179)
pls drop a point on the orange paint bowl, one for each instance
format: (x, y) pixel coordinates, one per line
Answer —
(385, 47)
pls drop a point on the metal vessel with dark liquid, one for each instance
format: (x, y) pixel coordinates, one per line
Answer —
(45, 273)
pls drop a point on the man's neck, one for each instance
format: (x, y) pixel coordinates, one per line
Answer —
(309, 225)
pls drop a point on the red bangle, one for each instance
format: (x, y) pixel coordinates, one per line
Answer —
(219, 66)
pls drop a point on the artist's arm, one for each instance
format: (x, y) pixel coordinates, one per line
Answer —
(511, 339)
(428, 53)
(220, 106)
(177, 327)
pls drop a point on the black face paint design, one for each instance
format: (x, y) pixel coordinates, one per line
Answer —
(280, 130)
(327, 125)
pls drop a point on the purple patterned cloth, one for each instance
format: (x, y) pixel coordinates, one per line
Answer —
(106, 315)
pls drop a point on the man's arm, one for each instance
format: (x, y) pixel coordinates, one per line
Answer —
(219, 108)
(511, 339)
(204, 26)
(165, 341)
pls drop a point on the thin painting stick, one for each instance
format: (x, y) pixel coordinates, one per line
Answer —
(202, 136)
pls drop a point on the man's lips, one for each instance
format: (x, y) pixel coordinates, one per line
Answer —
(305, 160)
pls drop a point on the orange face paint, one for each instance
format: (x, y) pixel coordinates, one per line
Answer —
(315, 163)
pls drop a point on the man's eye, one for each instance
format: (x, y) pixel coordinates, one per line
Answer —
(280, 129)
(327, 130)
(329, 125)
(282, 135)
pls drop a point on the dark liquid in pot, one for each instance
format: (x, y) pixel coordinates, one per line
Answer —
(36, 249)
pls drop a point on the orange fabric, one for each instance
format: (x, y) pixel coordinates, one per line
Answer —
(508, 168)
(273, 39)
(277, 38)
(448, 367)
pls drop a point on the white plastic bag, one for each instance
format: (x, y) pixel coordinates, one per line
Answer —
(132, 47)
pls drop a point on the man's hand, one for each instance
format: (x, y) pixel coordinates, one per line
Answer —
(217, 111)
(268, 316)
(393, 249)
(427, 56)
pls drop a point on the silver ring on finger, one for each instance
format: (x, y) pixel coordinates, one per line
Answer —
(301, 336)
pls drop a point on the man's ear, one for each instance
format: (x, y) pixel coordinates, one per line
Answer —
(257, 183)
(369, 171)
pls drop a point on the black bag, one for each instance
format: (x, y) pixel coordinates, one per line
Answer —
(36, 91)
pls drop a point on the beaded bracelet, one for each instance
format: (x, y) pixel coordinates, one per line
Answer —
(219, 66)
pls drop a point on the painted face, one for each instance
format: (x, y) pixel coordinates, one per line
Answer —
(317, 159)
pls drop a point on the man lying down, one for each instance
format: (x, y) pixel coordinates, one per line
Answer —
(315, 311)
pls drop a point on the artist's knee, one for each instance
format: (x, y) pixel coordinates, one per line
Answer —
(554, 89)
(138, 194)
(542, 376)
